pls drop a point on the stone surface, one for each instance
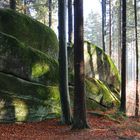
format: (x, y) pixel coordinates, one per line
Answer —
(25, 62)
(28, 69)
(29, 31)
(98, 65)
(22, 100)
(99, 96)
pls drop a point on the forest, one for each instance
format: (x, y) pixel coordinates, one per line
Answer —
(69, 69)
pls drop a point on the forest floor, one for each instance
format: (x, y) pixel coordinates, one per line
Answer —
(102, 127)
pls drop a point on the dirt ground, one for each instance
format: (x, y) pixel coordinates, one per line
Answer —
(101, 128)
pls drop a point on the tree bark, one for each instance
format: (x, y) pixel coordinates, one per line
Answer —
(70, 22)
(123, 59)
(63, 64)
(103, 22)
(119, 34)
(25, 8)
(13, 4)
(50, 13)
(137, 61)
(110, 31)
(79, 120)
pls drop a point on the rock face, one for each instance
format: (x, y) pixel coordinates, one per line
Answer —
(29, 31)
(100, 66)
(25, 62)
(21, 100)
(28, 69)
(102, 77)
(99, 95)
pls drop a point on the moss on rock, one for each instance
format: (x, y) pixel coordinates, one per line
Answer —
(98, 94)
(28, 69)
(29, 31)
(21, 100)
(98, 65)
(26, 62)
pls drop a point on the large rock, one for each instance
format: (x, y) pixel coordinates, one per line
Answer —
(99, 95)
(29, 31)
(28, 69)
(25, 62)
(21, 100)
(98, 65)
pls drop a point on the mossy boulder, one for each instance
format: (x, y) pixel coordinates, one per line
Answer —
(25, 62)
(99, 96)
(22, 100)
(29, 31)
(98, 65)
(28, 69)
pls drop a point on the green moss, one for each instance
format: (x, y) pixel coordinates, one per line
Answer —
(21, 109)
(25, 62)
(98, 65)
(29, 31)
(27, 101)
(39, 69)
(99, 93)
(21, 87)
(105, 68)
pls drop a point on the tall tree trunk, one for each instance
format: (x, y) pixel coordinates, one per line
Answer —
(123, 59)
(63, 64)
(110, 31)
(79, 120)
(103, 22)
(50, 13)
(137, 61)
(25, 4)
(70, 22)
(13, 4)
(119, 34)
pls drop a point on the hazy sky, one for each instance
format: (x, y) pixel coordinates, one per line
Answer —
(90, 5)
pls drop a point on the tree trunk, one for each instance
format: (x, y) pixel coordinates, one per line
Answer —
(119, 34)
(63, 64)
(79, 120)
(25, 4)
(13, 4)
(70, 22)
(110, 31)
(50, 13)
(103, 22)
(137, 61)
(123, 59)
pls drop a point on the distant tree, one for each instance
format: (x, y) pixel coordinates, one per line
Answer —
(25, 5)
(4, 3)
(123, 59)
(79, 118)
(50, 13)
(137, 61)
(13, 4)
(103, 22)
(110, 29)
(63, 63)
(70, 21)
(93, 29)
